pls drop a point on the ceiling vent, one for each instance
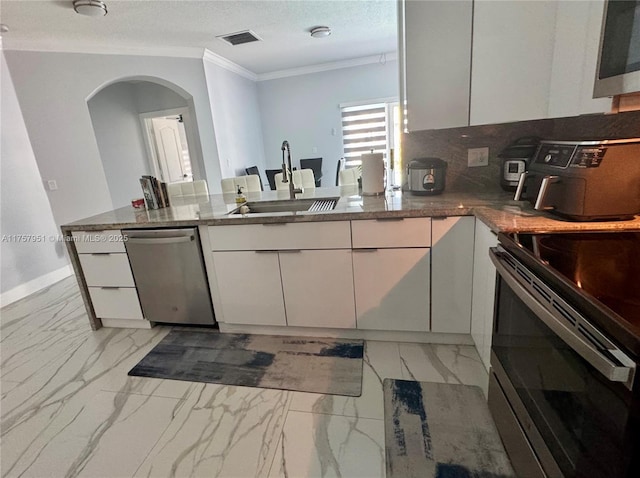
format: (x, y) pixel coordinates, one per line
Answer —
(239, 38)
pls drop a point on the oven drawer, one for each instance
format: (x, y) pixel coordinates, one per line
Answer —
(523, 458)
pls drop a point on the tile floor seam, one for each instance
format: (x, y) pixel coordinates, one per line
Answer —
(337, 415)
(281, 432)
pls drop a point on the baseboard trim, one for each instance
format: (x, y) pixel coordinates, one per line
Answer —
(28, 288)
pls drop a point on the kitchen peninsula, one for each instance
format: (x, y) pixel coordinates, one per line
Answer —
(392, 267)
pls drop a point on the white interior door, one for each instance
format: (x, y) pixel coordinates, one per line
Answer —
(172, 157)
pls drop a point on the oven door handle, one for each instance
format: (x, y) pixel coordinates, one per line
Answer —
(612, 371)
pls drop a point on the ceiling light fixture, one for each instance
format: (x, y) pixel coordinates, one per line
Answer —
(4, 28)
(320, 32)
(91, 8)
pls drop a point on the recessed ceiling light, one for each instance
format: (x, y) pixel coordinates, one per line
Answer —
(91, 8)
(320, 32)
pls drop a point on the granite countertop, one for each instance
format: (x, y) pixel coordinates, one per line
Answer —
(497, 210)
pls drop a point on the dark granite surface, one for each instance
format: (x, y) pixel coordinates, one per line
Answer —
(496, 209)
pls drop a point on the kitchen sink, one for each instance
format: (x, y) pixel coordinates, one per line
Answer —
(290, 205)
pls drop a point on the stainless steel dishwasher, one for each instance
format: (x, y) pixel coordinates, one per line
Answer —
(169, 273)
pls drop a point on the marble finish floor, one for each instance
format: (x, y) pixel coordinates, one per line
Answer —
(69, 409)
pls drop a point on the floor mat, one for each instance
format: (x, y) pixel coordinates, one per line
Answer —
(438, 430)
(306, 364)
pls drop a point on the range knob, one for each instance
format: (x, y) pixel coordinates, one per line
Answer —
(548, 158)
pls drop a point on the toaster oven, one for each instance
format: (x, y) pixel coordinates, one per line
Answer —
(584, 180)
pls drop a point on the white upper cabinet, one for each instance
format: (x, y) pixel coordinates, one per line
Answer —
(512, 57)
(575, 59)
(435, 62)
(486, 61)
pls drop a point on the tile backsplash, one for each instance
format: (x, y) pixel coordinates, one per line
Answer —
(452, 144)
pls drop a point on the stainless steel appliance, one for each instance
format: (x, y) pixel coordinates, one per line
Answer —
(564, 389)
(584, 180)
(169, 273)
(514, 160)
(426, 175)
(618, 69)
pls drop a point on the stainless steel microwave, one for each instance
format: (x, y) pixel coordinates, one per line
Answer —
(618, 69)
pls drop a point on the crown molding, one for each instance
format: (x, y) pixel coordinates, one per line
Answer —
(172, 52)
(334, 65)
(228, 65)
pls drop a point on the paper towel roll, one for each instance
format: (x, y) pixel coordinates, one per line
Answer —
(372, 174)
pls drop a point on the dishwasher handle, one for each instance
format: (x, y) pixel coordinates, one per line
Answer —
(160, 240)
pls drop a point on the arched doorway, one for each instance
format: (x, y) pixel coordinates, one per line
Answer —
(122, 114)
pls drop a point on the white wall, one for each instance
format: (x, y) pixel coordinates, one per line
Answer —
(150, 97)
(303, 110)
(236, 119)
(118, 131)
(24, 207)
(53, 89)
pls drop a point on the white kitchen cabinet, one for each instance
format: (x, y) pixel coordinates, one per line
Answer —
(451, 274)
(249, 287)
(277, 236)
(484, 283)
(392, 232)
(107, 269)
(116, 302)
(527, 60)
(318, 288)
(392, 288)
(435, 62)
(88, 242)
(512, 53)
(575, 59)
(296, 274)
(107, 274)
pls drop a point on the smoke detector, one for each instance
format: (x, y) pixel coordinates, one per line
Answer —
(91, 8)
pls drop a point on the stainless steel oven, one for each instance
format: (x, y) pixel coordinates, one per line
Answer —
(563, 389)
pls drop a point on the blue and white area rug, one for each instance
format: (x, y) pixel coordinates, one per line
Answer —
(439, 430)
(306, 364)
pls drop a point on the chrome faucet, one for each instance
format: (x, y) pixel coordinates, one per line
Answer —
(287, 173)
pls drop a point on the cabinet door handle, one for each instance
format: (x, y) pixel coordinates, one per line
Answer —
(290, 250)
(368, 249)
(100, 253)
(274, 224)
(439, 218)
(269, 251)
(390, 219)
(109, 287)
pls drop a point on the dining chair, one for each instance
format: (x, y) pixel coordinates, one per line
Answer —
(301, 178)
(249, 184)
(349, 177)
(271, 174)
(187, 189)
(315, 164)
(339, 167)
(253, 170)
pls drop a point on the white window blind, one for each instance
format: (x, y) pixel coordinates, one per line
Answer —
(364, 128)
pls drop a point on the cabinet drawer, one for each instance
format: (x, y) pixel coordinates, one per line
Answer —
(116, 303)
(278, 236)
(98, 241)
(401, 232)
(106, 270)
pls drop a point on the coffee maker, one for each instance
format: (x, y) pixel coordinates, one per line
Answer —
(514, 160)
